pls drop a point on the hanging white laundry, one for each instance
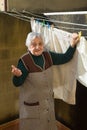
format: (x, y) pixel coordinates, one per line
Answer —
(65, 76)
(82, 61)
(64, 81)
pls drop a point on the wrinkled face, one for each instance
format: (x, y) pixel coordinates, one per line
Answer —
(36, 47)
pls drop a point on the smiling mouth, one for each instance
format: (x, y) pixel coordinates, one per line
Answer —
(37, 50)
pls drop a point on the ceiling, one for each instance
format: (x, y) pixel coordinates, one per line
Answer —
(41, 6)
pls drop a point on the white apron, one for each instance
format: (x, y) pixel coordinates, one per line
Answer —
(37, 102)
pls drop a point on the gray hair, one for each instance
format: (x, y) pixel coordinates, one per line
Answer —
(31, 36)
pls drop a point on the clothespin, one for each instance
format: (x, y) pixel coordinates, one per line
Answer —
(32, 18)
(80, 33)
(43, 24)
(37, 20)
(48, 25)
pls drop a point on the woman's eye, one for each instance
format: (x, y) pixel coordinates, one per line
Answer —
(33, 44)
(37, 44)
(40, 44)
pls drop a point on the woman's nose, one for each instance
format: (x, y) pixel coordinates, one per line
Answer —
(37, 46)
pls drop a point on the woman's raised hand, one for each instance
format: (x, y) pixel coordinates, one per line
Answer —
(75, 39)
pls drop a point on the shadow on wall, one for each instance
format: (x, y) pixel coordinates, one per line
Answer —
(12, 38)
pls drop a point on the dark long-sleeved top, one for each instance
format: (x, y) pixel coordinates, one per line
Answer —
(57, 59)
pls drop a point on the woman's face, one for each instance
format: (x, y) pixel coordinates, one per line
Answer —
(36, 47)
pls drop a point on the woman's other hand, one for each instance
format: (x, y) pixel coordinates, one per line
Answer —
(15, 71)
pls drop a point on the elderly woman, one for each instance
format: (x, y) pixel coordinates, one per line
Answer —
(34, 76)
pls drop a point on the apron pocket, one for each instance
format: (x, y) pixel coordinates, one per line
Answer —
(31, 104)
(31, 110)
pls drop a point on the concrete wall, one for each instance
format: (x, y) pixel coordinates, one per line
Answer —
(13, 33)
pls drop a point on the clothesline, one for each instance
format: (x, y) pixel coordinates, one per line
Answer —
(55, 21)
(43, 18)
(24, 15)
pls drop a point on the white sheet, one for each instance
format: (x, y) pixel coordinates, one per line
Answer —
(64, 76)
